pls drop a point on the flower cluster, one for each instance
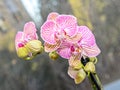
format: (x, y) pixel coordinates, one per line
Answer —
(27, 43)
(63, 36)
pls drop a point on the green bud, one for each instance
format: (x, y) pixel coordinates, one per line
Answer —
(53, 55)
(89, 67)
(93, 59)
(22, 52)
(80, 76)
(34, 46)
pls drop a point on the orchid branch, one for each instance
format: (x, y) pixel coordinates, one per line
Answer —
(63, 37)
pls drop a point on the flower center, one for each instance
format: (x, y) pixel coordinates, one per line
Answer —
(72, 48)
(61, 34)
(78, 49)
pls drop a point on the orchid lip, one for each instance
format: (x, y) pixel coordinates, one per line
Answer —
(72, 49)
(20, 45)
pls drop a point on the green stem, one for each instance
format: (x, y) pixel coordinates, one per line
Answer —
(93, 77)
(91, 81)
(95, 81)
(98, 80)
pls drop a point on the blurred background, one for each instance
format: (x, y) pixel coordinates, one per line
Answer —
(101, 16)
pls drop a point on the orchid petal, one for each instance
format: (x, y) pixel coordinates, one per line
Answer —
(30, 31)
(88, 38)
(19, 39)
(19, 36)
(74, 39)
(91, 51)
(68, 23)
(50, 48)
(48, 32)
(65, 50)
(72, 73)
(52, 16)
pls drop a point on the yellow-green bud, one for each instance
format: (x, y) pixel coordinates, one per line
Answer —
(53, 55)
(89, 67)
(34, 46)
(80, 76)
(93, 59)
(22, 52)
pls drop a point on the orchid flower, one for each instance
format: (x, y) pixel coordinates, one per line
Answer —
(26, 42)
(86, 46)
(59, 28)
(28, 34)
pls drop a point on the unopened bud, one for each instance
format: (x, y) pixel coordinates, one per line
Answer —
(22, 52)
(93, 59)
(89, 67)
(80, 76)
(34, 46)
(53, 55)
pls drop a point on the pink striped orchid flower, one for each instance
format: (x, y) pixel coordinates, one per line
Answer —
(28, 34)
(86, 46)
(26, 42)
(59, 28)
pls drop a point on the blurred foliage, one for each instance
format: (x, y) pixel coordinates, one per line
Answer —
(7, 41)
(81, 10)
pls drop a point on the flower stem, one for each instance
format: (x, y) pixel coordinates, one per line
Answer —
(90, 77)
(95, 82)
(93, 77)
